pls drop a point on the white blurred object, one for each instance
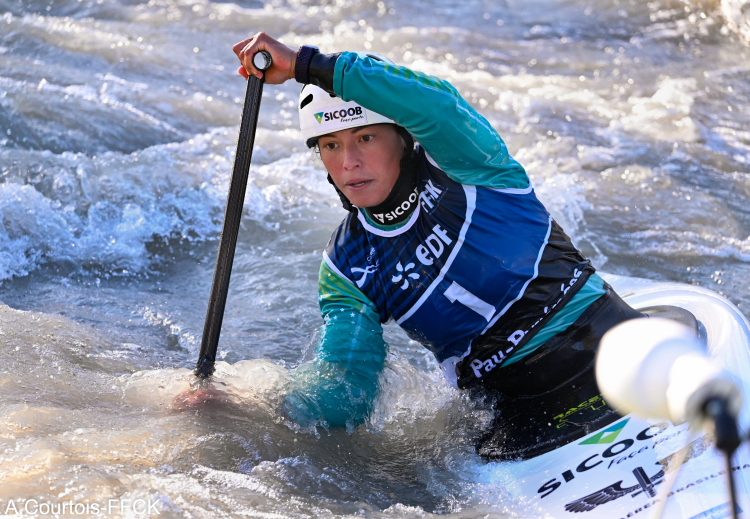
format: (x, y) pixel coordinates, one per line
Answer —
(737, 16)
(657, 368)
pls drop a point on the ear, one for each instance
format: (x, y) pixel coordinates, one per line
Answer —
(406, 138)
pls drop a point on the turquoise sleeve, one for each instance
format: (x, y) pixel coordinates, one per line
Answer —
(585, 297)
(340, 385)
(459, 139)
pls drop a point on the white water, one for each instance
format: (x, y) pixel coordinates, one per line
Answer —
(118, 123)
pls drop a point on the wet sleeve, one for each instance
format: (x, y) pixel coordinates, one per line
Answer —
(340, 385)
(459, 139)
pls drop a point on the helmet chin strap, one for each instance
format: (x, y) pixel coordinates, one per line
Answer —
(344, 201)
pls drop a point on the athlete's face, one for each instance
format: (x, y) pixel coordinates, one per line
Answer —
(363, 162)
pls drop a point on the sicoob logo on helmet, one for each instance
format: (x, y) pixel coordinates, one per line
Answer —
(345, 115)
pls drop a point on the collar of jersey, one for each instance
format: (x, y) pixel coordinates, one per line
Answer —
(387, 230)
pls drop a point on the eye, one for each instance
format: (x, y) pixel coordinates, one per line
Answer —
(367, 137)
(328, 146)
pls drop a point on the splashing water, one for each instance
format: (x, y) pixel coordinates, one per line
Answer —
(118, 124)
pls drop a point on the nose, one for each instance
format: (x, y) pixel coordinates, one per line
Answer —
(351, 158)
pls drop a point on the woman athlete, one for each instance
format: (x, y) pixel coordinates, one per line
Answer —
(446, 237)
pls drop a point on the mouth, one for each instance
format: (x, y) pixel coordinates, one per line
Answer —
(358, 184)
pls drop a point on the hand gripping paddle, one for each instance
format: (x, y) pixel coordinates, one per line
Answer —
(215, 315)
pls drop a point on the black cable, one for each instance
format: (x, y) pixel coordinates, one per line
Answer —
(731, 486)
(727, 441)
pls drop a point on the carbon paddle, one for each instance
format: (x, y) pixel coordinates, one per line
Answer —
(216, 303)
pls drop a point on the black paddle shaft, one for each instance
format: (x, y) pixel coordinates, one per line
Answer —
(215, 314)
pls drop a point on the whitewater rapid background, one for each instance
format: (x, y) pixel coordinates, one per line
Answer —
(118, 125)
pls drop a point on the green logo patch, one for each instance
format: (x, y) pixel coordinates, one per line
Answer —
(319, 117)
(608, 435)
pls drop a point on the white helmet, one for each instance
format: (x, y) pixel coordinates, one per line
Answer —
(321, 113)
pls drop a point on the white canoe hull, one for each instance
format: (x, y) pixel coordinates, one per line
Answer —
(620, 470)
